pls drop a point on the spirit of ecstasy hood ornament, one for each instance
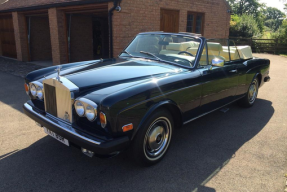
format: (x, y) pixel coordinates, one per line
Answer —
(58, 71)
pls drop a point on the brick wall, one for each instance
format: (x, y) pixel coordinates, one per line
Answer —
(40, 41)
(81, 38)
(21, 36)
(57, 23)
(141, 16)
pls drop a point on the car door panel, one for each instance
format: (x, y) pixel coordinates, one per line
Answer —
(219, 86)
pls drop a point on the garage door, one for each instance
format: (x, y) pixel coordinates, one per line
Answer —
(7, 38)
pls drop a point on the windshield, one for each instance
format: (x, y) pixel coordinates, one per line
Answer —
(171, 48)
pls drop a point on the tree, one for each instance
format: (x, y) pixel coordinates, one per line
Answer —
(240, 7)
(249, 7)
(273, 18)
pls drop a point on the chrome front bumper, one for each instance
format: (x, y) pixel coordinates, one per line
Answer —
(98, 146)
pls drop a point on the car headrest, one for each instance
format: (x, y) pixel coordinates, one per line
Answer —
(214, 47)
(182, 46)
(175, 47)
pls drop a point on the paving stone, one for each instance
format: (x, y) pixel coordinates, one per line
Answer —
(17, 68)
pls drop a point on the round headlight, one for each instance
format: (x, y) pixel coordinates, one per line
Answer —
(91, 113)
(33, 90)
(80, 108)
(40, 94)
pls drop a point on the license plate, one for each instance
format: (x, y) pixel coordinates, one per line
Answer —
(56, 136)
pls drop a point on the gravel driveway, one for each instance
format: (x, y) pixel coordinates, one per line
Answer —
(241, 150)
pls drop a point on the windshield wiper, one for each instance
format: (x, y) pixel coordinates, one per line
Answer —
(127, 53)
(147, 53)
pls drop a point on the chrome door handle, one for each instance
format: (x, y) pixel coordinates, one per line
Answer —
(233, 71)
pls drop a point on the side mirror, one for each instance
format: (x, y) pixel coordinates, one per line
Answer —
(217, 62)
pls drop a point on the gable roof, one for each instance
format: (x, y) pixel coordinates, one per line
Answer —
(22, 5)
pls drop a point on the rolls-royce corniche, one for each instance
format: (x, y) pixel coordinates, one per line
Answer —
(160, 82)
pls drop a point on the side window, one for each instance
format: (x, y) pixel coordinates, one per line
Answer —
(234, 54)
(203, 59)
(195, 22)
(218, 49)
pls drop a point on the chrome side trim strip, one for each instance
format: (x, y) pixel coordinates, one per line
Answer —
(64, 126)
(211, 111)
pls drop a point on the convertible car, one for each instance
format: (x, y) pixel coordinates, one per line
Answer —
(160, 82)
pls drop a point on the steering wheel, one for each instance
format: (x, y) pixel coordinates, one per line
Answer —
(186, 53)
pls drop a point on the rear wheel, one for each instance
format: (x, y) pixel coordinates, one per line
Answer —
(152, 141)
(251, 96)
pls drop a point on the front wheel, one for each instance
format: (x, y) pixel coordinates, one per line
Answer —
(152, 140)
(251, 95)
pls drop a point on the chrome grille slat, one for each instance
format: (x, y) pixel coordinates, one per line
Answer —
(50, 98)
(58, 100)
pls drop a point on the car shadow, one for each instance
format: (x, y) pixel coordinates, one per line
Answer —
(197, 153)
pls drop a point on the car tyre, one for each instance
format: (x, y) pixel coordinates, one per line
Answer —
(251, 96)
(153, 139)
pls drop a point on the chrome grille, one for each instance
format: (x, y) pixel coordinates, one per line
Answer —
(57, 99)
(50, 100)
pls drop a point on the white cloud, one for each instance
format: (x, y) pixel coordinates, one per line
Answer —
(274, 3)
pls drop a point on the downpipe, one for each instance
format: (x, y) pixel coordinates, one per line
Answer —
(117, 8)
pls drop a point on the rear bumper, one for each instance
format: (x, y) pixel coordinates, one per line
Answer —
(98, 146)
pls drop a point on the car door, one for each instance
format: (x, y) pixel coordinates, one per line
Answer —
(219, 83)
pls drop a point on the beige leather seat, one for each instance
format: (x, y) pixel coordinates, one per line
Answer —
(175, 48)
(214, 48)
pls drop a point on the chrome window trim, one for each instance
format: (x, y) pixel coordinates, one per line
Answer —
(60, 124)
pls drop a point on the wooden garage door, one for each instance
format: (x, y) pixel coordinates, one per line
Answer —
(169, 20)
(7, 38)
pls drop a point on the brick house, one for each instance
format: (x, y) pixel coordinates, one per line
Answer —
(65, 31)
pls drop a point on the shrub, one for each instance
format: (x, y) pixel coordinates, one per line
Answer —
(244, 26)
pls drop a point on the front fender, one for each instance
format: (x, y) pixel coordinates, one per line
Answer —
(140, 113)
(170, 105)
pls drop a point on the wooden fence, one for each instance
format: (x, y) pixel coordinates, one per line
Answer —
(275, 46)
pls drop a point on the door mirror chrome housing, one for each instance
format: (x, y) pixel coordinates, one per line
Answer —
(218, 62)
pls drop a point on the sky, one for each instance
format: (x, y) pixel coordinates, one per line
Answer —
(274, 3)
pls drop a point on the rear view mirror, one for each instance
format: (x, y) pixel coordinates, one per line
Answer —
(217, 62)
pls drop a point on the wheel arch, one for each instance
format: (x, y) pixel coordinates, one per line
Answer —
(257, 75)
(168, 105)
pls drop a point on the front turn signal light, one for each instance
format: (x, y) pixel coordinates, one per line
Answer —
(26, 88)
(103, 120)
(128, 127)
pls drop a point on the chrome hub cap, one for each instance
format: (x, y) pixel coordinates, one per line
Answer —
(252, 93)
(157, 138)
